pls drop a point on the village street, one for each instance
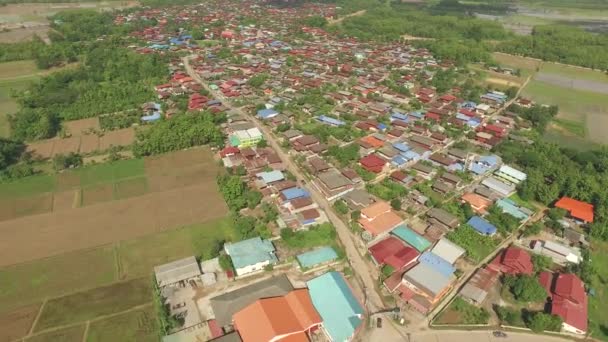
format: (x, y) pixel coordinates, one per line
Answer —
(365, 274)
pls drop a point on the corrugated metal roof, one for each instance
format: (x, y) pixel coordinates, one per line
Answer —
(437, 263)
(448, 250)
(176, 271)
(411, 237)
(482, 226)
(337, 305)
(428, 278)
(317, 256)
(250, 252)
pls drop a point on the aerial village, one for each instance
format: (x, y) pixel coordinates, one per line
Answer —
(345, 134)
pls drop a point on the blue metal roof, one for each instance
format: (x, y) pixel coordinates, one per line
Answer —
(267, 113)
(336, 304)
(478, 169)
(401, 146)
(437, 263)
(398, 160)
(294, 193)
(272, 176)
(410, 155)
(317, 256)
(490, 160)
(330, 120)
(482, 226)
(399, 116)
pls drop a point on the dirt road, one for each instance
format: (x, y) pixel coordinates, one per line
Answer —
(365, 274)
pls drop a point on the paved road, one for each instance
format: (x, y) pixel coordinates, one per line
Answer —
(385, 335)
(365, 273)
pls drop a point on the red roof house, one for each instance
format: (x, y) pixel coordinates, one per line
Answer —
(372, 163)
(391, 251)
(568, 300)
(579, 210)
(513, 261)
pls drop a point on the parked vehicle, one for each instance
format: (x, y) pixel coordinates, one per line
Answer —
(499, 334)
(379, 322)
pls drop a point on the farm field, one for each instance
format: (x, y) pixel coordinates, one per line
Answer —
(139, 325)
(527, 66)
(70, 334)
(82, 292)
(159, 193)
(598, 321)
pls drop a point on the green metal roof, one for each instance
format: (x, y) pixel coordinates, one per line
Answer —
(250, 252)
(335, 302)
(411, 237)
(317, 256)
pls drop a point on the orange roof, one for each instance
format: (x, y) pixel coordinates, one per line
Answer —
(479, 203)
(375, 142)
(381, 223)
(376, 209)
(268, 318)
(577, 209)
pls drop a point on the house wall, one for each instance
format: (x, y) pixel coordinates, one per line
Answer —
(252, 268)
(568, 328)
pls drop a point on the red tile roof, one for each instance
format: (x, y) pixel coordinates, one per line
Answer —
(569, 300)
(513, 261)
(577, 209)
(372, 163)
(391, 251)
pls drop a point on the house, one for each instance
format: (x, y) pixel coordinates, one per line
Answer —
(391, 251)
(443, 217)
(177, 271)
(330, 121)
(293, 193)
(437, 263)
(227, 304)
(559, 253)
(246, 138)
(372, 163)
(568, 300)
(318, 165)
(268, 177)
(477, 288)
(422, 170)
(458, 154)
(358, 199)
(316, 257)
(509, 207)
(451, 178)
(427, 282)
(510, 174)
(442, 187)
(498, 186)
(288, 317)
(266, 114)
(513, 261)
(578, 210)
(333, 184)
(448, 250)
(411, 238)
(477, 202)
(482, 226)
(379, 218)
(251, 255)
(341, 312)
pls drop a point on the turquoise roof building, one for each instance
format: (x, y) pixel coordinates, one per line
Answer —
(336, 304)
(509, 207)
(411, 238)
(317, 256)
(251, 255)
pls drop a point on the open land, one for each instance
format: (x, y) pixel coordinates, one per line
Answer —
(158, 193)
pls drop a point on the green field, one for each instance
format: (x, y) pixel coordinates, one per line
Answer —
(83, 270)
(140, 325)
(71, 334)
(575, 127)
(598, 320)
(101, 301)
(574, 72)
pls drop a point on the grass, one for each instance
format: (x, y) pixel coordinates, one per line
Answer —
(598, 320)
(71, 334)
(110, 172)
(569, 141)
(519, 201)
(138, 257)
(526, 65)
(575, 127)
(29, 283)
(83, 306)
(56, 276)
(461, 312)
(140, 325)
(28, 186)
(574, 72)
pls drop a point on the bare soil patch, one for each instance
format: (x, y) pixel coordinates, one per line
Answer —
(81, 127)
(67, 145)
(7, 209)
(42, 149)
(20, 34)
(131, 188)
(34, 205)
(17, 323)
(596, 126)
(121, 137)
(97, 194)
(65, 200)
(89, 143)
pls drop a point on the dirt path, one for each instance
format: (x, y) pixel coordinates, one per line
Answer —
(37, 317)
(339, 20)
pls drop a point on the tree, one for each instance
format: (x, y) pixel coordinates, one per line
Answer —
(226, 262)
(527, 288)
(556, 214)
(67, 161)
(253, 198)
(545, 322)
(355, 215)
(341, 207)
(257, 80)
(396, 204)
(533, 229)
(262, 143)
(541, 262)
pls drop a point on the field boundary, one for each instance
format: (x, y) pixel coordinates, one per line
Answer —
(33, 327)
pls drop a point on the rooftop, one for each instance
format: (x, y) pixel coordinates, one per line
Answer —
(176, 271)
(317, 256)
(250, 252)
